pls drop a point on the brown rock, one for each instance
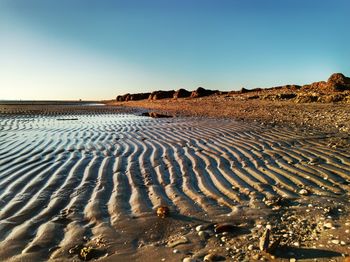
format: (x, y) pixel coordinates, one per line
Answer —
(155, 115)
(161, 95)
(162, 211)
(339, 82)
(200, 92)
(181, 93)
(139, 96)
(265, 240)
(221, 228)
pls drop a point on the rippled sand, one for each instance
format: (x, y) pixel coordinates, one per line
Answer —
(95, 175)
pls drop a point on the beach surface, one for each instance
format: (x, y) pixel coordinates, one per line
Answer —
(86, 183)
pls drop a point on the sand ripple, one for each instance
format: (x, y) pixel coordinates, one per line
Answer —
(62, 180)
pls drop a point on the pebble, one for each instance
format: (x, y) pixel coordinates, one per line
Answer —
(199, 228)
(175, 251)
(292, 260)
(335, 241)
(203, 235)
(328, 225)
(209, 258)
(174, 243)
(188, 259)
(343, 243)
(250, 247)
(303, 192)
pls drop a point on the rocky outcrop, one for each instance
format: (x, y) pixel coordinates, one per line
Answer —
(139, 96)
(122, 98)
(161, 95)
(181, 93)
(339, 82)
(200, 92)
(336, 82)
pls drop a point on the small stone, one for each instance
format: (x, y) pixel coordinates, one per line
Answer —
(174, 243)
(188, 259)
(212, 257)
(303, 192)
(203, 235)
(343, 243)
(221, 228)
(328, 225)
(335, 241)
(292, 260)
(162, 211)
(265, 240)
(199, 228)
(250, 247)
(175, 251)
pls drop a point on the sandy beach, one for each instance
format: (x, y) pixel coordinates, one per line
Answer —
(95, 180)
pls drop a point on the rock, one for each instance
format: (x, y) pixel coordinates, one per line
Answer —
(199, 228)
(302, 98)
(176, 242)
(335, 241)
(226, 227)
(161, 95)
(212, 257)
(328, 225)
(162, 211)
(203, 235)
(88, 253)
(155, 115)
(200, 92)
(250, 247)
(188, 259)
(265, 240)
(139, 96)
(303, 192)
(339, 82)
(122, 98)
(181, 93)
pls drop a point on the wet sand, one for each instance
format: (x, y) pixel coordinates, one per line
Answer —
(96, 180)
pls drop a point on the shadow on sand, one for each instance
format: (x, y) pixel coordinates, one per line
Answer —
(305, 253)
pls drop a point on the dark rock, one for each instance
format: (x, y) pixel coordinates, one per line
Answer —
(221, 228)
(155, 115)
(181, 93)
(286, 96)
(122, 98)
(306, 98)
(200, 92)
(139, 96)
(265, 240)
(161, 95)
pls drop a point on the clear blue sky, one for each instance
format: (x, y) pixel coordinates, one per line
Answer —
(96, 49)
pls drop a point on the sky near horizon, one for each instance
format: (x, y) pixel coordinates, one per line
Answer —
(89, 49)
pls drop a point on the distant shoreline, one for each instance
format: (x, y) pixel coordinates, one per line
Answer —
(49, 102)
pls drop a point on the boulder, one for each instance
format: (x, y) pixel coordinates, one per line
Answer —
(200, 92)
(139, 96)
(122, 98)
(339, 82)
(161, 95)
(181, 93)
